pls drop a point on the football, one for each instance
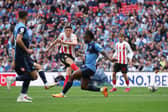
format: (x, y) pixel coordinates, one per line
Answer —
(152, 88)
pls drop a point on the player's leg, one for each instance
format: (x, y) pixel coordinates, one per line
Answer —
(116, 69)
(26, 71)
(69, 64)
(34, 74)
(114, 82)
(41, 72)
(68, 73)
(47, 85)
(77, 74)
(127, 82)
(124, 71)
(68, 60)
(86, 86)
(20, 68)
(72, 64)
(29, 70)
(23, 95)
(85, 79)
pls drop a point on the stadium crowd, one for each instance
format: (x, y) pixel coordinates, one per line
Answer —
(146, 29)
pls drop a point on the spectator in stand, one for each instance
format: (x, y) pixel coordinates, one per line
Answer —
(2, 69)
(145, 27)
(148, 67)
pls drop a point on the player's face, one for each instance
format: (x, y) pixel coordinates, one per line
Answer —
(68, 32)
(121, 38)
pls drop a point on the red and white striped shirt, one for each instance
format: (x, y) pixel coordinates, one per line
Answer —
(68, 49)
(121, 52)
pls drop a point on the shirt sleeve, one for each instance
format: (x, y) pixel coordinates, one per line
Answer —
(21, 30)
(98, 47)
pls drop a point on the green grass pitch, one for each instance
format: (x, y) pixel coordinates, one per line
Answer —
(137, 100)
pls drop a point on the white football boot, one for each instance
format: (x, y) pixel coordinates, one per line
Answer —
(24, 98)
(50, 85)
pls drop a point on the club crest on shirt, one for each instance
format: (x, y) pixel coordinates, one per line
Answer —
(22, 30)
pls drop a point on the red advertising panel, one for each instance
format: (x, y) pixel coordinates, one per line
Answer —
(3, 78)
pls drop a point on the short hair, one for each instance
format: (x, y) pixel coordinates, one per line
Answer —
(22, 14)
(121, 35)
(68, 26)
(90, 34)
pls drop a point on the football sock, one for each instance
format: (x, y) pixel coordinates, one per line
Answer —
(22, 94)
(66, 80)
(127, 82)
(25, 86)
(93, 88)
(74, 67)
(23, 77)
(102, 89)
(67, 87)
(114, 83)
(42, 76)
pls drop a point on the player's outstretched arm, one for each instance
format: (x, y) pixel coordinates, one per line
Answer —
(22, 45)
(13, 59)
(108, 57)
(53, 44)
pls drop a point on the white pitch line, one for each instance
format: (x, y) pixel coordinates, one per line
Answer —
(140, 95)
(162, 95)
